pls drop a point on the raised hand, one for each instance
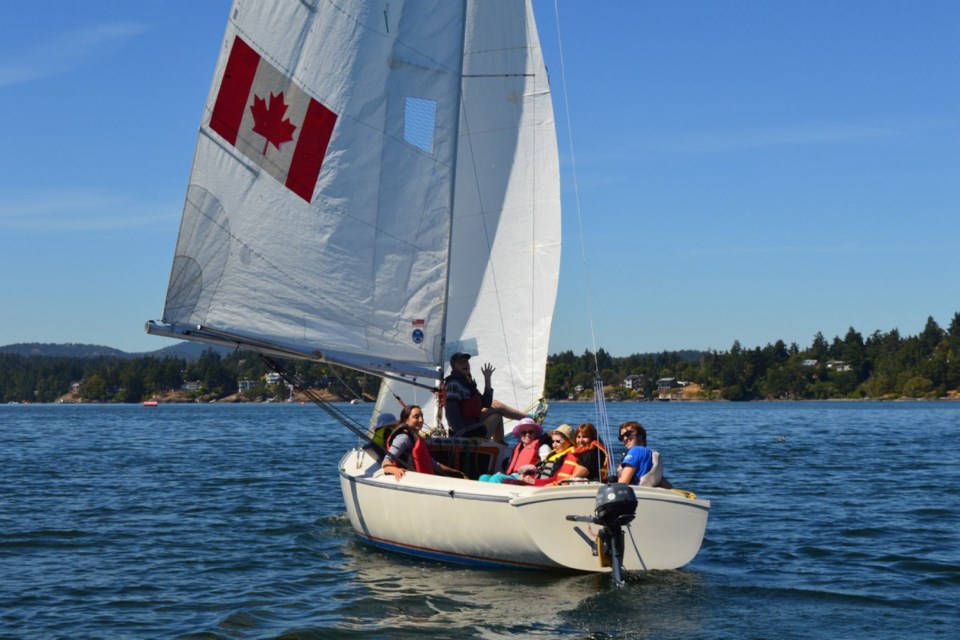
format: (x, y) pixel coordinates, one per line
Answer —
(487, 370)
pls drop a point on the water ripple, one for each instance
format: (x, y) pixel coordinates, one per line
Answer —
(217, 522)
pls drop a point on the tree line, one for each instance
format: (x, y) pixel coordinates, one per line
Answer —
(123, 379)
(882, 365)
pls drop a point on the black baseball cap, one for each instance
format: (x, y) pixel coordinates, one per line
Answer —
(459, 355)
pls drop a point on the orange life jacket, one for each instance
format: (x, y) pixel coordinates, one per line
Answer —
(551, 465)
(605, 468)
(568, 466)
(591, 450)
(565, 472)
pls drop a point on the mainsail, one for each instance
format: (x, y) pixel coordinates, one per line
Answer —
(375, 184)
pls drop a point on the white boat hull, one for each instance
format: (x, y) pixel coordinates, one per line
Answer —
(501, 525)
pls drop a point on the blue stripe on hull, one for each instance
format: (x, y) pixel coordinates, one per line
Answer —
(442, 556)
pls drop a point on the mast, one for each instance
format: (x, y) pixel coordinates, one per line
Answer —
(453, 196)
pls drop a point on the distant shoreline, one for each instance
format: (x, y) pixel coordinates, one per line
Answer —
(234, 400)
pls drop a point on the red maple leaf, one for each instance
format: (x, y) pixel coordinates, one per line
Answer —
(270, 122)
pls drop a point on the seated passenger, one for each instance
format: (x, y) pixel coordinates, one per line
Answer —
(562, 438)
(526, 453)
(581, 457)
(591, 454)
(468, 412)
(386, 422)
(527, 450)
(406, 450)
(640, 466)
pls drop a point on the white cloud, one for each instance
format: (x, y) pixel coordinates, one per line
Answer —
(799, 134)
(849, 248)
(81, 210)
(760, 138)
(64, 52)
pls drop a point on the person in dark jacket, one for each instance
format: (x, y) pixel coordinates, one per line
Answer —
(469, 412)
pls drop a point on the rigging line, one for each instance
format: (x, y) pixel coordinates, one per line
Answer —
(598, 394)
(345, 385)
(359, 430)
(576, 185)
(604, 431)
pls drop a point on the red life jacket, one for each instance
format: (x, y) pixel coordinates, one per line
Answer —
(422, 459)
(472, 407)
(524, 455)
(420, 454)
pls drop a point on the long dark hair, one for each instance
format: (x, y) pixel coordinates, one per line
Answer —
(405, 413)
(403, 427)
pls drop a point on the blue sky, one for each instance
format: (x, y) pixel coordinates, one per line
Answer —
(747, 170)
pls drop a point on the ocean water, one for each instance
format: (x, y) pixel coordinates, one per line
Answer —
(835, 520)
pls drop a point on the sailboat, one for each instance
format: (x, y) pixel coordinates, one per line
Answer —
(376, 186)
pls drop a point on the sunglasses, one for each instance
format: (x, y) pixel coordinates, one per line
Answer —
(527, 433)
(627, 436)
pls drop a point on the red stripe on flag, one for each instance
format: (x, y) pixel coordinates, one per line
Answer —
(311, 147)
(234, 90)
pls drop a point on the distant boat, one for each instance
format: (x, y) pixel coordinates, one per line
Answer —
(376, 186)
(149, 403)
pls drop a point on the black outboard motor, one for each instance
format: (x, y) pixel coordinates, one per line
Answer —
(616, 507)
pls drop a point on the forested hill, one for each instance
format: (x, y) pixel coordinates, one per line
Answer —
(880, 365)
(187, 350)
(64, 350)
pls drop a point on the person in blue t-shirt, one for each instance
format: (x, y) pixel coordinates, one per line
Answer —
(639, 460)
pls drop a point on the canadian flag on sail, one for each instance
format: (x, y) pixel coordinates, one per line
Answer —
(271, 120)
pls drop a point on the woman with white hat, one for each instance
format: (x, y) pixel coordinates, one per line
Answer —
(562, 438)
